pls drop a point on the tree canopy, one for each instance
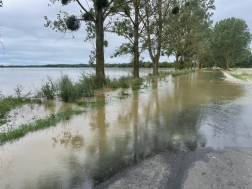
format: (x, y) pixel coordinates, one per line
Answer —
(230, 41)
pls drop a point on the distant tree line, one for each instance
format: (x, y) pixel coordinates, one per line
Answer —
(119, 65)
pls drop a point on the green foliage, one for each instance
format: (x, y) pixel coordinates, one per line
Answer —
(8, 103)
(123, 81)
(137, 81)
(238, 76)
(183, 72)
(49, 89)
(68, 91)
(88, 83)
(122, 95)
(137, 87)
(3, 121)
(230, 41)
(187, 33)
(39, 124)
(247, 63)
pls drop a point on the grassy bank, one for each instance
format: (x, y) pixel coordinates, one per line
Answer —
(39, 124)
(238, 76)
(70, 91)
(242, 74)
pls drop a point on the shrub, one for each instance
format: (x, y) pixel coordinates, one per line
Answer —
(68, 90)
(49, 89)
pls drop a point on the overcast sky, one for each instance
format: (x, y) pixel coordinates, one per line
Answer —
(28, 42)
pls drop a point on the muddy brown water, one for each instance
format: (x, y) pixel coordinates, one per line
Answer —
(177, 114)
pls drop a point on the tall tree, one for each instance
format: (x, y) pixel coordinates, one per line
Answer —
(128, 25)
(156, 13)
(187, 28)
(230, 41)
(94, 16)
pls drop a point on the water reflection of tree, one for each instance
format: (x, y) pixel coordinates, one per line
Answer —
(159, 126)
(66, 138)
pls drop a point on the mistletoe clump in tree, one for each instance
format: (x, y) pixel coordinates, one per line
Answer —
(95, 16)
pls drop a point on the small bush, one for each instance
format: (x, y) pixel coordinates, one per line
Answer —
(135, 87)
(68, 90)
(88, 83)
(138, 82)
(123, 82)
(49, 89)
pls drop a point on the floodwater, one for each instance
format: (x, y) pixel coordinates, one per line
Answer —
(183, 113)
(33, 78)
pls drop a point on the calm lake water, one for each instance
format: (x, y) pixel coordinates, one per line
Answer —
(32, 78)
(177, 114)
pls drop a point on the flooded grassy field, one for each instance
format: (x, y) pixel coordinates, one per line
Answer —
(175, 114)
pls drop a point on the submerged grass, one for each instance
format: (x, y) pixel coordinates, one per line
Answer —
(70, 91)
(122, 95)
(183, 72)
(8, 103)
(39, 124)
(92, 104)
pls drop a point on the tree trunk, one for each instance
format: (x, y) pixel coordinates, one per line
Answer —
(199, 63)
(228, 62)
(176, 63)
(155, 67)
(136, 38)
(160, 27)
(227, 65)
(99, 46)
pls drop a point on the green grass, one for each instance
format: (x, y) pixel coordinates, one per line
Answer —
(238, 76)
(122, 82)
(137, 87)
(39, 124)
(8, 103)
(122, 95)
(183, 72)
(3, 121)
(92, 104)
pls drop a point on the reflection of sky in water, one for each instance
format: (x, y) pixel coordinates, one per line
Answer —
(183, 114)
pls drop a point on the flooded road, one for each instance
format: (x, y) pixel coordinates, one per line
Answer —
(178, 114)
